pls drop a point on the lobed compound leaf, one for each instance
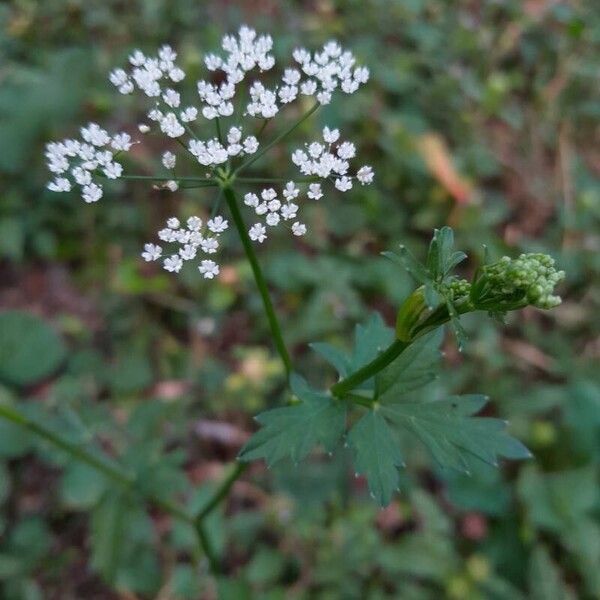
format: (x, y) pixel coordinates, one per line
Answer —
(406, 259)
(442, 258)
(293, 431)
(414, 368)
(376, 455)
(334, 356)
(451, 432)
(370, 339)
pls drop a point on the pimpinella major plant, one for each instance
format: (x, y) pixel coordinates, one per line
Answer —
(216, 135)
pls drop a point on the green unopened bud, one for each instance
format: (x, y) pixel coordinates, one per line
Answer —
(416, 316)
(456, 290)
(412, 313)
(510, 284)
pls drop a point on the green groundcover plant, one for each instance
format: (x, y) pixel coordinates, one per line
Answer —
(374, 397)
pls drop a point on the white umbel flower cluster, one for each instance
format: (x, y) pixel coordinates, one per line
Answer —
(274, 211)
(223, 153)
(330, 160)
(194, 238)
(326, 71)
(213, 152)
(82, 162)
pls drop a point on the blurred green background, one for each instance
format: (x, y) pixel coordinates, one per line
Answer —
(483, 115)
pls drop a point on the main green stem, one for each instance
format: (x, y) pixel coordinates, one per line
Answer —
(258, 277)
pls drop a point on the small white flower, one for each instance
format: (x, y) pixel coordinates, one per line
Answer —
(167, 235)
(251, 200)
(118, 77)
(365, 175)
(189, 114)
(113, 170)
(173, 223)
(268, 194)
(331, 136)
(194, 223)
(272, 219)
(209, 245)
(169, 160)
(289, 211)
(291, 76)
(218, 224)
(212, 62)
(324, 98)
(121, 142)
(250, 145)
(261, 209)
(346, 150)
(171, 126)
(188, 252)
(274, 205)
(343, 184)
(171, 185)
(315, 149)
(143, 128)
(298, 228)
(291, 191)
(172, 98)
(151, 252)
(234, 135)
(95, 135)
(258, 233)
(173, 263)
(209, 268)
(82, 176)
(60, 184)
(309, 87)
(288, 93)
(137, 58)
(314, 191)
(91, 193)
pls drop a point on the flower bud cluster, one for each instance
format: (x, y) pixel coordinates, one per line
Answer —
(456, 290)
(509, 283)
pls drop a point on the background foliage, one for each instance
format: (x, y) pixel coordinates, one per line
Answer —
(480, 114)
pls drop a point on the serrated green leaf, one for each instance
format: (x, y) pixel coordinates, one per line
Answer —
(376, 455)
(459, 332)
(450, 432)
(455, 259)
(369, 340)
(414, 368)
(334, 356)
(441, 259)
(406, 259)
(295, 430)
